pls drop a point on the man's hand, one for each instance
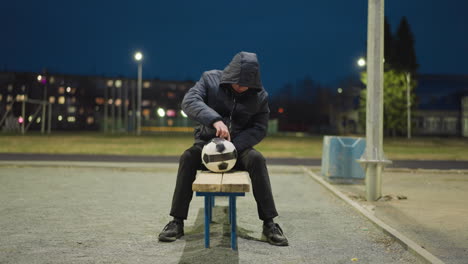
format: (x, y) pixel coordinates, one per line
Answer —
(221, 130)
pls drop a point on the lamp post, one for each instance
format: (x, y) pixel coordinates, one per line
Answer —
(373, 159)
(408, 104)
(138, 58)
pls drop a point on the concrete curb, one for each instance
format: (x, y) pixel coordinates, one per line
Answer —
(405, 241)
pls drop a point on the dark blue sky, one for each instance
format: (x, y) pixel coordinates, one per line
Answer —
(181, 39)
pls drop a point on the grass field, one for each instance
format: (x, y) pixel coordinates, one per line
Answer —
(175, 144)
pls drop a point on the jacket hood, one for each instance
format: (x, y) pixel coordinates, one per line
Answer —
(243, 70)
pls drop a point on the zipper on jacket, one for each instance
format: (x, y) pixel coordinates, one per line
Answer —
(232, 112)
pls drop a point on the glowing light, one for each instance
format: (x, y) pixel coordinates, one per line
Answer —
(340, 90)
(71, 119)
(30, 118)
(170, 113)
(183, 113)
(361, 62)
(118, 83)
(110, 83)
(20, 120)
(138, 56)
(39, 78)
(60, 118)
(68, 89)
(61, 100)
(38, 120)
(281, 110)
(161, 112)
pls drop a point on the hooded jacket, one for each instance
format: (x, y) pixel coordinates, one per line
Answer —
(213, 99)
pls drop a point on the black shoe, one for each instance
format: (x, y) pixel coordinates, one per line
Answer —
(274, 235)
(172, 231)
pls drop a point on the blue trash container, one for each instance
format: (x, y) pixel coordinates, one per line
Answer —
(339, 159)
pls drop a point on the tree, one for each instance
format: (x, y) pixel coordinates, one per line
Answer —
(389, 45)
(395, 111)
(405, 55)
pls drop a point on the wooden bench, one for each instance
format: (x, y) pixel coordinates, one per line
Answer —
(231, 184)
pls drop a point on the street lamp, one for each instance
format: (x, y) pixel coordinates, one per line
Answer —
(361, 62)
(139, 58)
(408, 104)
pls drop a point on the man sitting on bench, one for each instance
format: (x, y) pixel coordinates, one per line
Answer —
(230, 104)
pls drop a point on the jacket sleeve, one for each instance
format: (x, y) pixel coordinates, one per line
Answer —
(195, 106)
(256, 131)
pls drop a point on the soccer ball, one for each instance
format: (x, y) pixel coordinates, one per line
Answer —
(219, 155)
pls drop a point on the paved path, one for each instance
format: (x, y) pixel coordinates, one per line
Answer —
(411, 164)
(110, 213)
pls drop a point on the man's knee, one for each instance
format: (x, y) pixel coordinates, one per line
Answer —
(190, 155)
(255, 158)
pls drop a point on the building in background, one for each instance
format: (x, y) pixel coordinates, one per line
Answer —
(88, 102)
(441, 109)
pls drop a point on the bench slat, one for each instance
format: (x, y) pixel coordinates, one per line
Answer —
(235, 182)
(207, 182)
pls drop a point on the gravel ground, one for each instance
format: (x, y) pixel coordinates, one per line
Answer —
(112, 213)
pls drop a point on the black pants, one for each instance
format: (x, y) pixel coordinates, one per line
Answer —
(249, 160)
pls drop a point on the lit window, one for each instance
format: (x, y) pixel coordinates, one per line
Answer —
(73, 90)
(52, 99)
(68, 89)
(20, 97)
(30, 118)
(61, 90)
(170, 113)
(71, 109)
(10, 87)
(110, 101)
(60, 118)
(90, 120)
(52, 79)
(61, 100)
(118, 102)
(146, 103)
(146, 85)
(99, 100)
(118, 83)
(110, 83)
(146, 112)
(9, 98)
(38, 120)
(71, 119)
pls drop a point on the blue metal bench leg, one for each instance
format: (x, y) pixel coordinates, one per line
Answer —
(232, 213)
(207, 220)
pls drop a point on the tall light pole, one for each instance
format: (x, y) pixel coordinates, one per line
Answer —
(408, 104)
(373, 158)
(139, 58)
